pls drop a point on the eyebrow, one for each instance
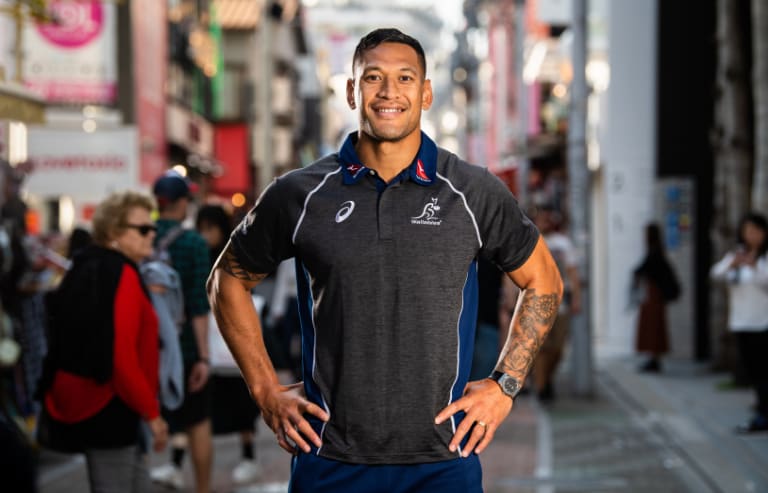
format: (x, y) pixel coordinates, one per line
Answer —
(376, 67)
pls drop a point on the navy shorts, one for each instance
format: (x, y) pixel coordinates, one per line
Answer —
(313, 474)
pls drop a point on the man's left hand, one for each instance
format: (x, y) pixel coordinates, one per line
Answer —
(486, 407)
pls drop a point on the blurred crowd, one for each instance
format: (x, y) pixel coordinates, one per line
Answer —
(81, 314)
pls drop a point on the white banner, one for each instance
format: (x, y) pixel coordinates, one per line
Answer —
(74, 59)
(84, 166)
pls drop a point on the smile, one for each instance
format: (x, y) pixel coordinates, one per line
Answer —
(389, 110)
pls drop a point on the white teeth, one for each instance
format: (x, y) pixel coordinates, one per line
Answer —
(389, 110)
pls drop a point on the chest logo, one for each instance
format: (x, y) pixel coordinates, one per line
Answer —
(429, 214)
(345, 211)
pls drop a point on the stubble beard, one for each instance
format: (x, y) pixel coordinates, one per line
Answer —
(391, 135)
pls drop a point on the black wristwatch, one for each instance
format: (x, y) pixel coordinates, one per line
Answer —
(509, 384)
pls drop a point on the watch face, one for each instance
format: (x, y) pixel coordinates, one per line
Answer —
(509, 385)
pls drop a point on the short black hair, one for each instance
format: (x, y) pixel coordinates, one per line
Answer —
(388, 35)
(759, 221)
(215, 215)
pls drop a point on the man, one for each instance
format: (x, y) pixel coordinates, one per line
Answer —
(386, 235)
(548, 220)
(189, 256)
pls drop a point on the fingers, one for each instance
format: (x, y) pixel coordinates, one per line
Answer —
(490, 432)
(160, 443)
(316, 411)
(159, 430)
(481, 433)
(283, 442)
(447, 412)
(285, 416)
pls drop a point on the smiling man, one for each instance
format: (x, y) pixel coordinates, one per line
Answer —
(386, 235)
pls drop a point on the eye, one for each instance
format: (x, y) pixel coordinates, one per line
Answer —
(372, 78)
(406, 78)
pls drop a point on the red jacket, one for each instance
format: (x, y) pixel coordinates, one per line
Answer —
(135, 378)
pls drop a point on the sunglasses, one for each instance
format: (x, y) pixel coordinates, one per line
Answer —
(143, 229)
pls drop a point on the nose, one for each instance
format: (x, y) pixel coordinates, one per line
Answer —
(388, 88)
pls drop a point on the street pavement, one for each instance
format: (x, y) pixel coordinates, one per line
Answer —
(667, 432)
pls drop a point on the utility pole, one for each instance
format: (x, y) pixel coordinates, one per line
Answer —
(264, 97)
(579, 200)
(521, 144)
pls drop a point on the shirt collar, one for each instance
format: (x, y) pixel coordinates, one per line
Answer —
(423, 169)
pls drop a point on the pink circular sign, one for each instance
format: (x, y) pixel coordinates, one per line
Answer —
(76, 22)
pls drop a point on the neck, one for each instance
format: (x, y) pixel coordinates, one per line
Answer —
(387, 158)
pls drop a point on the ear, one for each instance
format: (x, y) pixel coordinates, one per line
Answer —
(426, 97)
(351, 94)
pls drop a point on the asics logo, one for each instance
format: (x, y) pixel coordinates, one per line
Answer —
(345, 211)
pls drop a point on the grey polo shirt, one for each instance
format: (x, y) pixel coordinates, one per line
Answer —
(387, 281)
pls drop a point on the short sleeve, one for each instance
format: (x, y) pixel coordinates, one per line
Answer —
(263, 238)
(509, 236)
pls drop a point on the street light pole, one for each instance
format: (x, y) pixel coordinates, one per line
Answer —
(521, 146)
(578, 180)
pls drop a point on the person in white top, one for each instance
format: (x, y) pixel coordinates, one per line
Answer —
(745, 270)
(548, 219)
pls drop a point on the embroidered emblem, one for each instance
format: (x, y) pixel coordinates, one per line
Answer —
(345, 211)
(421, 172)
(429, 214)
(354, 169)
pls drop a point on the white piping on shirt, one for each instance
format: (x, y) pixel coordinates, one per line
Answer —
(466, 206)
(314, 357)
(458, 358)
(306, 202)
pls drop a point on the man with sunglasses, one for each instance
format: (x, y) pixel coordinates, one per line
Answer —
(189, 256)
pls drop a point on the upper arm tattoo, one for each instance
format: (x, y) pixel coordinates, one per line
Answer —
(233, 267)
(535, 315)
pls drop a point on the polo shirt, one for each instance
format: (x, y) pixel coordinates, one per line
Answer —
(387, 290)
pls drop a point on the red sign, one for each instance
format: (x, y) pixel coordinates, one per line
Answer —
(231, 151)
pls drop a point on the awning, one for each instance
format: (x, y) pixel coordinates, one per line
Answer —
(19, 104)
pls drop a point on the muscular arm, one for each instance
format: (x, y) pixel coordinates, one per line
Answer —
(283, 407)
(542, 291)
(483, 402)
(229, 292)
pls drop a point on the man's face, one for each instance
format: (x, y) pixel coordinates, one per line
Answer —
(389, 91)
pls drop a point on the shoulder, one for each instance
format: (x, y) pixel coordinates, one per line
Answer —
(467, 177)
(452, 166)
(129, 275)
(304, 179)
(288, 192)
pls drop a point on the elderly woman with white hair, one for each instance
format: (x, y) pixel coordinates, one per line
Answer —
(101, 374)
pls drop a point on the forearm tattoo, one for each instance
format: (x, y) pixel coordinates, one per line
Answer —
(232, 266)
(532, 321)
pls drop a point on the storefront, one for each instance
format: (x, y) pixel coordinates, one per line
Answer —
(18, 108)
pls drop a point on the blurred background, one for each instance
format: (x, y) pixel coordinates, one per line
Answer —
(615, 113)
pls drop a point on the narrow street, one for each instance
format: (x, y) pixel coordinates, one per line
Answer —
(640, 434)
